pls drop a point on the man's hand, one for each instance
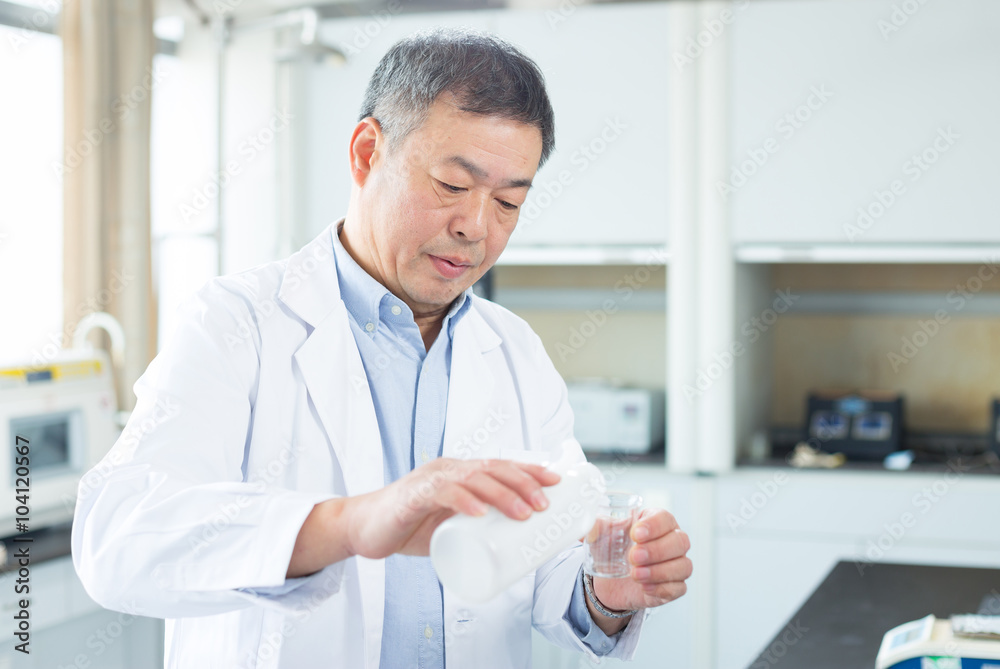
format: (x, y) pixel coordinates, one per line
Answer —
(401, 517)
(659, 568)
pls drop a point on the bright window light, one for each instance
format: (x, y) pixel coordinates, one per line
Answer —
(31, 207)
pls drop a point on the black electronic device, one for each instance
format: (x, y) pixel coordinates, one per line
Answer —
(863, 425)
(995, 428)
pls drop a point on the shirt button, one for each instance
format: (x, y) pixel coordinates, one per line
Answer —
(428, 632)
(423, 457)
(370, 327)
(396, 310)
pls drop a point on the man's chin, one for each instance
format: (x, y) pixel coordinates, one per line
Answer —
(438, 300)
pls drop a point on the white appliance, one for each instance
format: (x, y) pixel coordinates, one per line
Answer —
(969, 641)
(617, 419)
(57, 420)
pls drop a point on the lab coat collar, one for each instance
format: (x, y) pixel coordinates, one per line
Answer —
(311, 290)
(309, 285)
(331, 367)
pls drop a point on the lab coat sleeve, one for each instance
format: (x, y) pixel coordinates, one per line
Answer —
(166, 525)
(556, 579)
(554, 585)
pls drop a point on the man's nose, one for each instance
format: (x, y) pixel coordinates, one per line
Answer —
(472, 218)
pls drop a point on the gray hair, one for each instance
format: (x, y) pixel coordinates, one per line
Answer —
(486, 74)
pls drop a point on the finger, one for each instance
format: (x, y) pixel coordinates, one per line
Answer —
(673, 545)
(545, 477)
(457, 498)
(665, 592)
(524, 484)
(679, 569)
(652, 524)
(487, 488)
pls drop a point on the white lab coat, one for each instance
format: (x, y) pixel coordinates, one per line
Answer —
(257, 408)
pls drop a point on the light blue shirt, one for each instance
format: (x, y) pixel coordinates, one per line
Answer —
(409, 387)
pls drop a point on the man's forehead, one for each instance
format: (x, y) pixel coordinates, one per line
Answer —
(480, 173)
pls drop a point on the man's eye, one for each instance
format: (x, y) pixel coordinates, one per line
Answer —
(453, 189)
(508, 205)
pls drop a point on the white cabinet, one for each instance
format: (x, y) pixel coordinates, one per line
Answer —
(606, 70)
(857, 122)
(761, 582)
(69, 629)
(779, 532)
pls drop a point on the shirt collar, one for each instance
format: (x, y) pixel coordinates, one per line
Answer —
(369, 302)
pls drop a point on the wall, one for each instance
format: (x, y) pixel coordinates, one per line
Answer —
(627, 345)
(948, 382)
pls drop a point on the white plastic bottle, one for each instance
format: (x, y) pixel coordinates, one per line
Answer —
(477, 557)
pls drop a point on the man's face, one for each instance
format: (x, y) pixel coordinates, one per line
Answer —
(440, 206)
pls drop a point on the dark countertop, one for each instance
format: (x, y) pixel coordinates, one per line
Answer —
(842, 624)
(45, 544)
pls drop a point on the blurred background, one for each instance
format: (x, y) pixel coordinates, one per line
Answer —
(768, 225)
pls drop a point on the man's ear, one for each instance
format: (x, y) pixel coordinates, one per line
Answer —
(366, 149)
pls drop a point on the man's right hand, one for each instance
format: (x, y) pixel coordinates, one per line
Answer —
(401, 517)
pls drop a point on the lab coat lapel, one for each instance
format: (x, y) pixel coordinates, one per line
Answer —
(471, 397)
(471, 387)
(331, 368)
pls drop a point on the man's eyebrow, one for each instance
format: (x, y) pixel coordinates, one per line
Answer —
(480, 173)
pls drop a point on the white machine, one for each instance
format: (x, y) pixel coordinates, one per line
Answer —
(57, 420)
(610, 418)
(964, 642)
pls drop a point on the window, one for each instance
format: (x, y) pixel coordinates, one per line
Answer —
(31, 208)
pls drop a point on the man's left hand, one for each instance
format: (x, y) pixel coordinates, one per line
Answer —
(659, 565)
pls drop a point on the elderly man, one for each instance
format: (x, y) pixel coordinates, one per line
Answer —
(337, 406)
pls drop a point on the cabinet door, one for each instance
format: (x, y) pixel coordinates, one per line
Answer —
(857, 122)
(606, 69)
(760, 584)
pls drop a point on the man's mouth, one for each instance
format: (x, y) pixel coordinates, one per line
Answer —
(450, 267)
